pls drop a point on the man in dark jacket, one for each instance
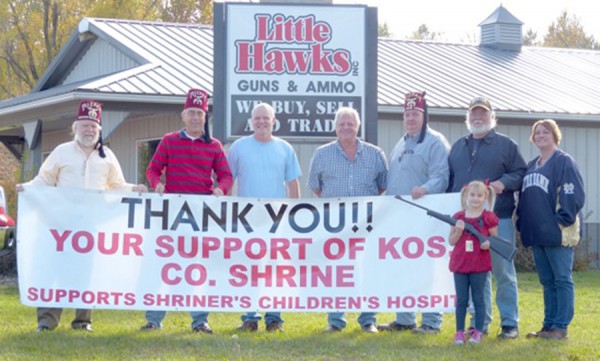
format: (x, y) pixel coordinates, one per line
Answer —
(492, 157)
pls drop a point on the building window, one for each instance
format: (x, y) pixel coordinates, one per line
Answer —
(145, 151)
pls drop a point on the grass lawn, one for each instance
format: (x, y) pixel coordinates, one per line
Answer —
(116, 335)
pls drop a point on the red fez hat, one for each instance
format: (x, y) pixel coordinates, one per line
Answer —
(196, 98)
(414, 101)
(89, 110)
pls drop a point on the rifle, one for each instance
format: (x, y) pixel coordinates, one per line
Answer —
(501, 246)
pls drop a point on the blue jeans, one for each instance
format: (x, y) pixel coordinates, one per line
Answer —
(337, 319)
(507, 292)
(156, 317)
(270, 317)
(555, 269)
(475, 283)
(431, 319)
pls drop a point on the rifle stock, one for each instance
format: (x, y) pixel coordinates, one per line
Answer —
(501, 246)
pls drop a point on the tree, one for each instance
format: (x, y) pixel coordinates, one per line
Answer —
(567, 32)
(423, 33)
(383, 31)
(188, 11)
(530, 38)
(33, 31)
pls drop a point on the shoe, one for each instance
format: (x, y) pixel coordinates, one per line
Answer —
(332, 329)
(42, 329)
(556, 334)
(509, 333)
(537, 333)
(471, 329)
(394, 326)
(476, 336)
(370, 328)
(85, 327)
(425, 330)
(248, 326)
(203, 328)
(149, 327)
(459, 338)
(274, 327)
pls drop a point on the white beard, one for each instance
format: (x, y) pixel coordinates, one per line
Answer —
(87, 142)
(481, 130)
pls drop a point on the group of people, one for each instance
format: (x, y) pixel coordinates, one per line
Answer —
(485, 166)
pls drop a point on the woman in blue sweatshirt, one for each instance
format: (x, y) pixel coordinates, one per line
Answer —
(551, 197)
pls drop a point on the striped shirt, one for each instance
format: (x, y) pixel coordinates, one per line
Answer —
(332, 173)
(188, 165)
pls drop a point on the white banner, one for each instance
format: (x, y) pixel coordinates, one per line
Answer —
(91, 249)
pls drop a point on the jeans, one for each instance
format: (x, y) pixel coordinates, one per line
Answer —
(555, 269)
(156, 317)
(270, 317)
(337, 319)
(431, 319)
(507, 295)
(475, 283)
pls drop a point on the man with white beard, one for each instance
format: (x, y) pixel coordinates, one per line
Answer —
(81, 163)
(493, 158)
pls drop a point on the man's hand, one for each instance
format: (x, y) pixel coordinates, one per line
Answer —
(497, 186)
(418, 192)
(218, 192)
(140, 188)
(160, 188)
(19, 187)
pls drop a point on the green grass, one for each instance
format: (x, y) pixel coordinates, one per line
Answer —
(116, 335)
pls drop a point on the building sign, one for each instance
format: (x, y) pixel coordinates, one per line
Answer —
(306, 61)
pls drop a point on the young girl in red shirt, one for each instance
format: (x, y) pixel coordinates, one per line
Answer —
(470, 261)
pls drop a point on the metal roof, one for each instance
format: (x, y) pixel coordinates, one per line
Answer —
(534, 80)
(175, 57)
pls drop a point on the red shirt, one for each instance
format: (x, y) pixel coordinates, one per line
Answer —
(189, 164)
(478, 260)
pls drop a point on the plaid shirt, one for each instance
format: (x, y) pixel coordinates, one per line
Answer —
(332, 173)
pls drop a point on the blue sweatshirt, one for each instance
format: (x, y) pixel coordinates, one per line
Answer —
(557, 180)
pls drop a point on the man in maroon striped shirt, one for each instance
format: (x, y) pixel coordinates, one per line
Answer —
(188, 158)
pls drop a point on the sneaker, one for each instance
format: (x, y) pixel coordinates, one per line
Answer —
(274, 327)
(395, 326)
(85, 327)
(425, 330)
(42, 329)
(370, 328)
(249, 326)
(203, 328)
(509, 333)
(149, 327)
(459, 338)
(471, 329)
(556, 334)
(332, 329)
(538, 333)
(476, 336)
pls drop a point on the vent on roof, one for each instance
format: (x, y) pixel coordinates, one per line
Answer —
(502, 31)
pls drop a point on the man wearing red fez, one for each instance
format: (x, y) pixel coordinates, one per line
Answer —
(81, 163)
(189, 157)
(418, 166)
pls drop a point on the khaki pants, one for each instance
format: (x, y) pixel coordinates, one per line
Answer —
(50, 317)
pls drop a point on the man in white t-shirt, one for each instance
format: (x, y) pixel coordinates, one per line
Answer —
(264, 166)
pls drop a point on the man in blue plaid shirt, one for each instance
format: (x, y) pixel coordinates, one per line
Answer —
(348, 167)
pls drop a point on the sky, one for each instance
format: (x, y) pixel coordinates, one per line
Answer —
(458, 20)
